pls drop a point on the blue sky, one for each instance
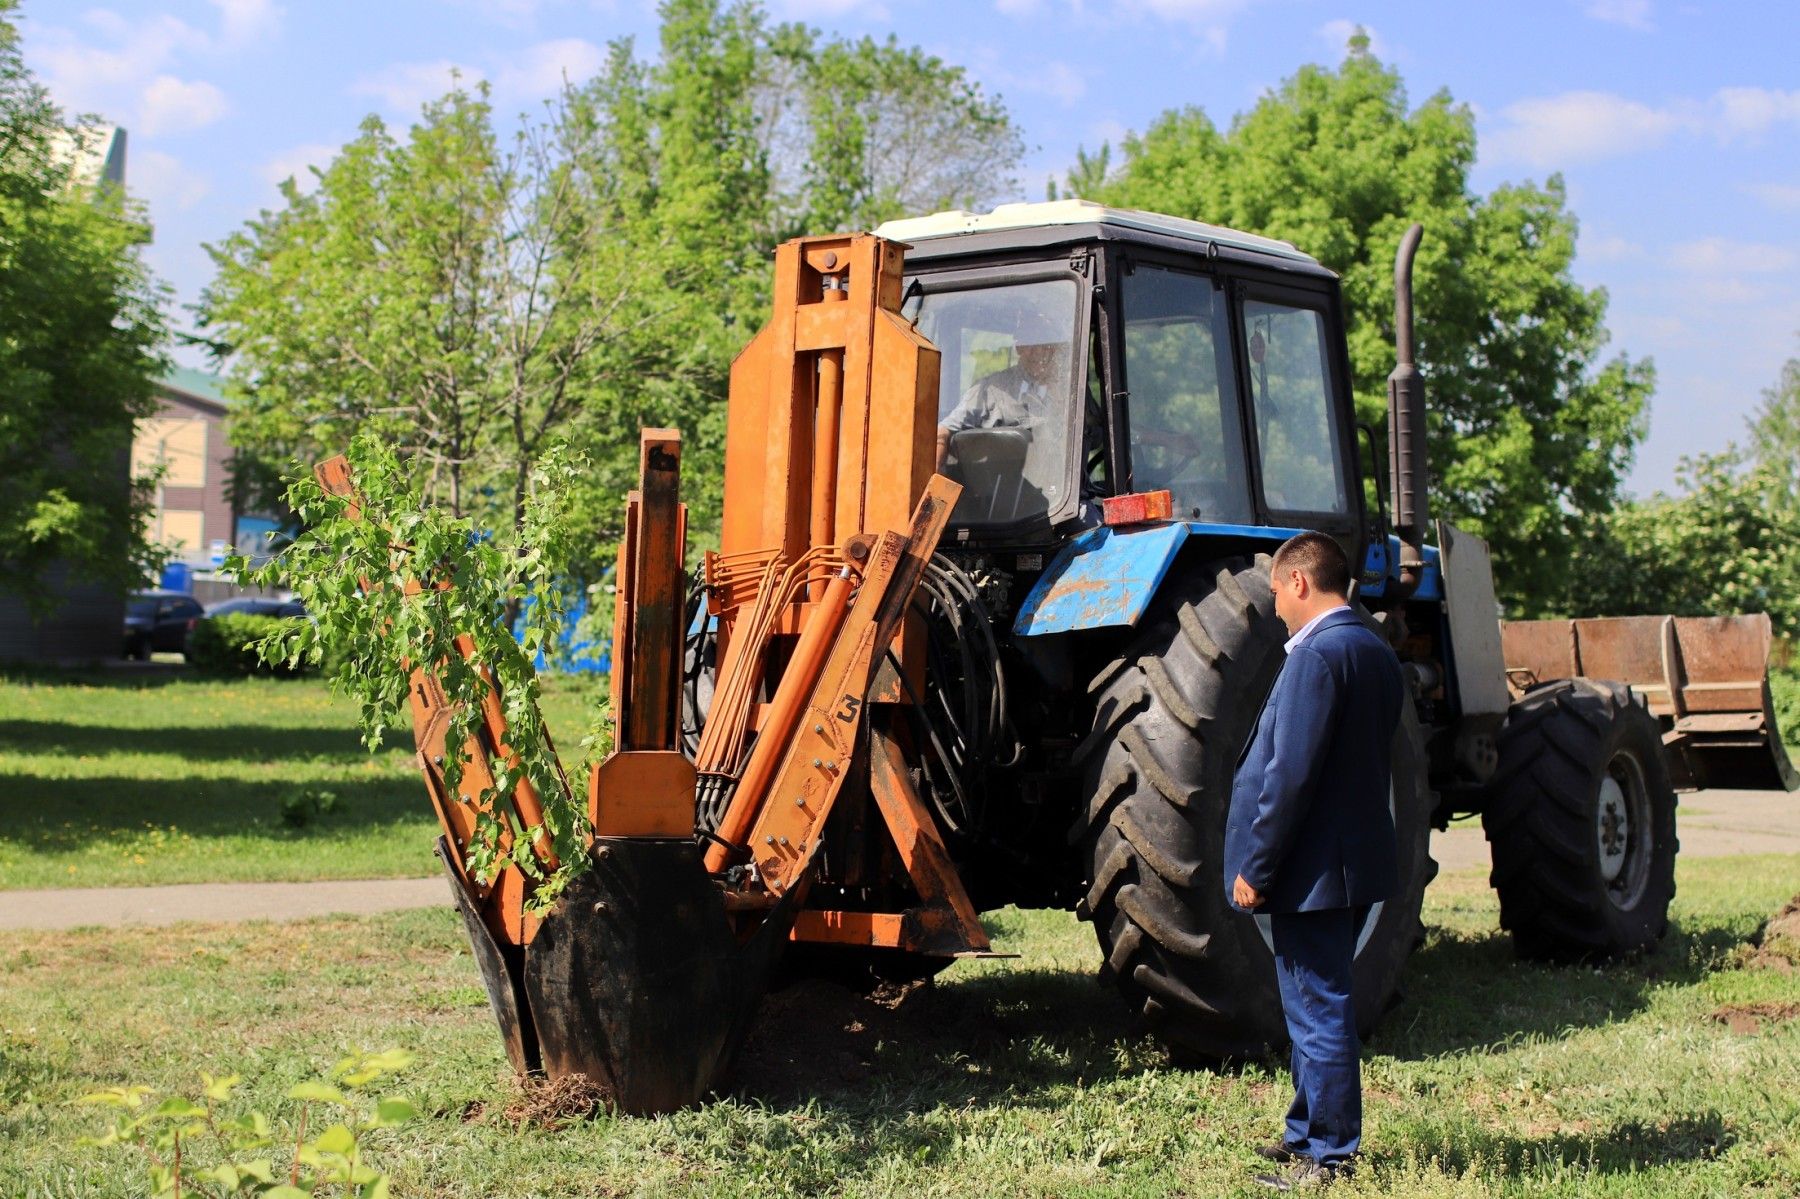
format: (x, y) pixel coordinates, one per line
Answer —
(1676, 126)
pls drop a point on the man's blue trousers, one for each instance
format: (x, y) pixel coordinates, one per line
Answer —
(1314, 952)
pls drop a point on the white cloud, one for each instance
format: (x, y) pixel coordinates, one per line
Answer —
(1748, 111)
(243, 22)
(1610, 249)
(1209, 19)
(1782, 197)
(130, 69)
(540, 70)
(505, 12)
(1554, 131)
(404, 87)
(1056, 79)
(1632, 14)
(824, 10)
(1337, 34)
(84, 77)
(171, 105)
(1721, 257)
(165, 183)
(1196, 11)
(1016, 8)
(537, 71)
(294, 163)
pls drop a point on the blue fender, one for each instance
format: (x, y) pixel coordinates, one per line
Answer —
(1105, 578)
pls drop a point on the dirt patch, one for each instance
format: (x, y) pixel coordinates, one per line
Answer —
(817, 1035)
(550, 1103)
(1777, 945)
(1785, 925)
(1747, 1019)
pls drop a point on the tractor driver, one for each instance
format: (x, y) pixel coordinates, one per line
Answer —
(1021, 396)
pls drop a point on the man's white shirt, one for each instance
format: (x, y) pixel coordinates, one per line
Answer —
(1306, 630)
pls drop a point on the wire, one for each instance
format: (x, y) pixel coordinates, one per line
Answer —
(966, 712)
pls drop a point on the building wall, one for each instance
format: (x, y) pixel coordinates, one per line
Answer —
(193, 504)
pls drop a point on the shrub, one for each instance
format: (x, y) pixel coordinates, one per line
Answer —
(249, 1154)
(226, 645)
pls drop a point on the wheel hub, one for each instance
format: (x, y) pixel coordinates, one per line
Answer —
(1623, 831)
(1613, 825)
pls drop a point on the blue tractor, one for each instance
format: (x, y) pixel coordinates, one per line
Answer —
(1139, 409)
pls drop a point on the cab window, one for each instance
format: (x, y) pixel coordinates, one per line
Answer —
(1297, 431)
(1185, 432)
(1006, 395)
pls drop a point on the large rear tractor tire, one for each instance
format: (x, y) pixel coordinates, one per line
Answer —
(1582, 823)
(1170, 716)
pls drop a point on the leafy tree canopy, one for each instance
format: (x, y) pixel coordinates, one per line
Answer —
(1719, 547)
(473, 299)
(1531, 432)
(81, 336)
(1727, 542)
(1775, 434)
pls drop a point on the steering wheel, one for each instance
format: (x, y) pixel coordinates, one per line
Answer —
(1179, 442)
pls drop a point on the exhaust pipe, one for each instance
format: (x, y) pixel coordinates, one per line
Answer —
(1408, 474)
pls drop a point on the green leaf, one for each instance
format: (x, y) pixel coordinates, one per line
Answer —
(121, 1097)
(393, 1111)
(177, 1108)
(317, 1092)
(336, 1139)
(260, 1169)
(224, 1174)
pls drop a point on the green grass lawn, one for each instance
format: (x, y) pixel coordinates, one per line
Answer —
(1018, 1077)
(126, 777)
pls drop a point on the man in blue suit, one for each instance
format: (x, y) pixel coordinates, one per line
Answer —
(1310, 841)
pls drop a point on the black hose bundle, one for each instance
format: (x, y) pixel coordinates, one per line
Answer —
(963, 716)
(964, 712)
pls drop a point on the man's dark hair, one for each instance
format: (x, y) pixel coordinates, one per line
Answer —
(1317, 557)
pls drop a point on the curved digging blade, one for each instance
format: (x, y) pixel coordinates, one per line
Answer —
(637, 980)
(499, 974)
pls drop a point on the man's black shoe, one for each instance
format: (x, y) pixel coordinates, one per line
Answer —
(1277, 1151)
(1308, 1175)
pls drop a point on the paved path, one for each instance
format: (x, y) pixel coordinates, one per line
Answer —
(1710, 824)
(115, 906)
(1713, 824)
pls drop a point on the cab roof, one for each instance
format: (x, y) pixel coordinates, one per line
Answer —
(1056, 222)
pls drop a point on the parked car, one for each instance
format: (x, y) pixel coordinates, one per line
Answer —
(159, 622)
(254, 605)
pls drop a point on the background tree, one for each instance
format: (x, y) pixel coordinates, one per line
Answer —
(1531, 433)
(1718, 547)
(81, 335)
(1727, 541)
(859, 132)
(458, 298)
(470, 303)
(1775, 434)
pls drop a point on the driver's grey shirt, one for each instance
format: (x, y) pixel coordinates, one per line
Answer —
(1006, 399)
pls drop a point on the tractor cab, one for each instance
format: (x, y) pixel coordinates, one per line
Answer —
(1091, 351)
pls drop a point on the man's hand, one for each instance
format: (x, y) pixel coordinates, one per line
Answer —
(1244, 895)
(943, 447)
